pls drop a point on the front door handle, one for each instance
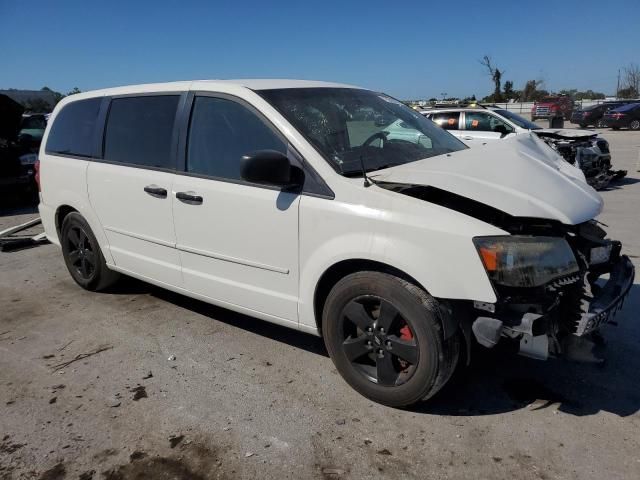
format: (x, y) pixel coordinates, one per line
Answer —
(156, 191)
(189, 197)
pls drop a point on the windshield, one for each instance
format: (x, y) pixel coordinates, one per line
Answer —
(351, 127)
(518, 120)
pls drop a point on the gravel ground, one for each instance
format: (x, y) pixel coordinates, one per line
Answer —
(144, 383)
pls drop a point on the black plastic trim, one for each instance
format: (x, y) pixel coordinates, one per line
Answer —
(313, 184)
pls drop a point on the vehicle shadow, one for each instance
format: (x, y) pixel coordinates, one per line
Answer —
(492, 385)
(496, 381)
(285, 335)
(617, 184)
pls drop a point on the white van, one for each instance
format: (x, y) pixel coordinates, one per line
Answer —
(334, 210)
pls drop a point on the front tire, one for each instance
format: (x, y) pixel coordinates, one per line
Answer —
(385, 338)
(83, 256)
(634, 125)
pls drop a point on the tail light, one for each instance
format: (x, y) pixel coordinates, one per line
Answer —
(619, 115)
(585, 114)
(36, 166)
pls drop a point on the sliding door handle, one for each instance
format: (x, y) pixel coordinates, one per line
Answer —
(156, 191)
(189, 197)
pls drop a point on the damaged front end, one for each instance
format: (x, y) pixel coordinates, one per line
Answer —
(586, 151)
(547, 277)
(559, 311)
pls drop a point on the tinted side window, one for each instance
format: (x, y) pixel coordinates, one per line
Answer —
(73, 129)
(447, 120)
(220, 133)
(139, 130)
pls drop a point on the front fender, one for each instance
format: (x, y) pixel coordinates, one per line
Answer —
(443, 260)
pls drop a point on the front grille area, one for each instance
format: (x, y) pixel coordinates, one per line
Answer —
(542, 111)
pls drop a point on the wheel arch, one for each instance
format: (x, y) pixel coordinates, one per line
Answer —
(341, 269)
(61, 213)
(65, 208)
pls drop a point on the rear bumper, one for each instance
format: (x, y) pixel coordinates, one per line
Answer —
(48, 217)
(610, 299)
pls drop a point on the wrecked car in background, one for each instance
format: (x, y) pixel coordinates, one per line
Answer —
(18, 152)
(582, 148)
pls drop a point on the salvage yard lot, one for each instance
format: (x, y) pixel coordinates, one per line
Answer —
(173, 385)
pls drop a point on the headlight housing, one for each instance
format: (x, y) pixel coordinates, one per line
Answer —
(525, 261)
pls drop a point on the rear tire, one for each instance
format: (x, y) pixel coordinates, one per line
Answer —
(83, 256)
(583, 125)
(384, 336)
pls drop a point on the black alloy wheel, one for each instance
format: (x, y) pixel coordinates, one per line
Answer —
(82, 255)
(384, 335)
(378, 341)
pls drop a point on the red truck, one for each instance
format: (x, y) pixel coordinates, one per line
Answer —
(552, 106)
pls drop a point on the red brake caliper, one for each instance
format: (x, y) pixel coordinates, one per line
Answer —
(405, 334)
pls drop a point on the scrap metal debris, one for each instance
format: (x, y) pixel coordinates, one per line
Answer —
(81, 356)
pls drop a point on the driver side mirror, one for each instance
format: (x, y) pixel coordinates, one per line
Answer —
(269, 167)
(501, 129)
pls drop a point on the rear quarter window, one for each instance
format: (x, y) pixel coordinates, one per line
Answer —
(139, 131)
(73, 129)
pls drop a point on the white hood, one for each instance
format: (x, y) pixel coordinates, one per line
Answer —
(516, 175)
(572, 134)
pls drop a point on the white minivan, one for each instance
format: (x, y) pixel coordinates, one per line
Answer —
(334, 210)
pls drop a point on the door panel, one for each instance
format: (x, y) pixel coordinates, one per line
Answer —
(240, 245)
(238, 242)
(138, 224)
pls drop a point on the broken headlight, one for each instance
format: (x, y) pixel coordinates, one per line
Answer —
(524, 261)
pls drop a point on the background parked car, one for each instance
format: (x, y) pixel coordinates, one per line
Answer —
(627, 116)
(582, 148)
(32, 129)
(593, 114)
(17, 159)
(552, 106)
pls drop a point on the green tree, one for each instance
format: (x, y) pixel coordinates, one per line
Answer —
(57, 95)
(509, 93)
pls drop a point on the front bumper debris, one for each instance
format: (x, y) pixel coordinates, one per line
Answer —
(610, 298)
(535, 332)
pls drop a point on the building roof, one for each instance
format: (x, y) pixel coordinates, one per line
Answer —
(23, 96)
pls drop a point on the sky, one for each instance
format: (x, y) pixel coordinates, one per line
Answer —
(408, 49)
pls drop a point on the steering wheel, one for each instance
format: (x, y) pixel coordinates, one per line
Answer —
(381, 135)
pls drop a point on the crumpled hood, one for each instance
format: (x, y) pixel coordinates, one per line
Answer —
(563, 133)
(514, 175)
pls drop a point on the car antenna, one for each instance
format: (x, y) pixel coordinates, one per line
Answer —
(367, 180)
